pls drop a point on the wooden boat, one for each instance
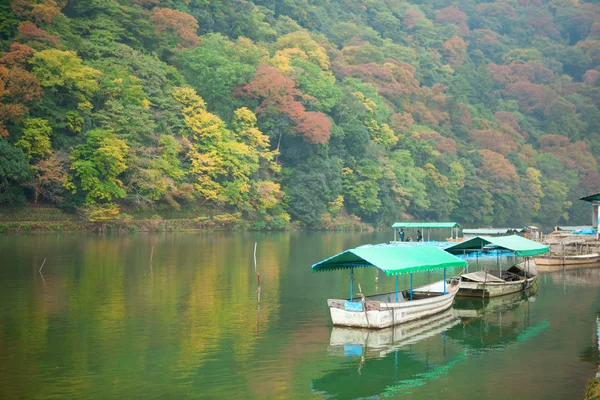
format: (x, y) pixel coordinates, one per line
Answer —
(382, 311)
(486, 284)
(558, 263)
(389, 309)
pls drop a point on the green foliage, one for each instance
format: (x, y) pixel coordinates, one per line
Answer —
(327, 113)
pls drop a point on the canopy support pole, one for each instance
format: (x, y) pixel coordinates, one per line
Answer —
(395, 232)
(351, 283)
(444, 280)
(396, 288)
(411, 290)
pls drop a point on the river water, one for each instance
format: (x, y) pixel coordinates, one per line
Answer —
(100, 321)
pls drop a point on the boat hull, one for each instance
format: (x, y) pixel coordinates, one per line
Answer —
(557, 263)
(494, 289)
(378, 314)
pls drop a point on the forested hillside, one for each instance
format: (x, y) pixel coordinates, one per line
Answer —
(316, 111)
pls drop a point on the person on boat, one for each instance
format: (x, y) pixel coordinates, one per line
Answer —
(419, 236)
(402, 235)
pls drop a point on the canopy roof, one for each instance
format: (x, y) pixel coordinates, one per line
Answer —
(490, 231)
(425, 225)
(392, 260)
(591, 197)
(521, 246)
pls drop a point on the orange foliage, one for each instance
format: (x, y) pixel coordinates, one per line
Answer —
(28, 32)
(393, 79)
(590, 77)
(532, 98)
(278, 92)
(542, 26)
(442, 144)
(453, 15)
(498, 171)
(402, 122)
(493, 140)
(18, 55)
(531, 71)
(576, 156)
(411, 17)
(178, 23)
(456, 51)
(505, 117)
(41, 11)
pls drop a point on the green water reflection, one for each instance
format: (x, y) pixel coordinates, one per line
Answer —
(102, 322)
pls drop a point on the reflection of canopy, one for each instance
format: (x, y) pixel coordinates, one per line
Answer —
(425, 225)
(392, 260)
(517, 244)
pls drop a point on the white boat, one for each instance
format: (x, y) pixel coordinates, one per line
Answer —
(383, 311)
(389, 309)
(560, 263)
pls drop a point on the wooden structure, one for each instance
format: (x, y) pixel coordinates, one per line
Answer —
(426, 227)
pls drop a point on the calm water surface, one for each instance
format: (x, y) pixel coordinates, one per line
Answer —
(102, 322)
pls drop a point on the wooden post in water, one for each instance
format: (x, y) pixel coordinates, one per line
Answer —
(411, 287)
(151, 254)
(396, 288)
(351, 282)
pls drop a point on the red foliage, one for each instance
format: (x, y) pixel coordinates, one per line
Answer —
(590, 77)
(278, 92)
(576, 156)
(393, 79)
(494, 140)
(178, 23)
(505, 117)
(453, 15)
(485, 37)
(411, 17)
(41, 11)
(28, 32)
(542, 26)
(456, 50)
(531, 71)
(18, 55)
(17, 87)
(402, 122)
(498, 171)
(315, 127)
(532, 98)
(442, 144)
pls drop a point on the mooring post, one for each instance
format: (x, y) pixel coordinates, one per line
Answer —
(351, 282)
(411, 289)
(396, 288)
(444, 280)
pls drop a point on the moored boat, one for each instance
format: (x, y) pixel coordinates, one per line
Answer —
(559, 263)
(486, 283)
(389, 309)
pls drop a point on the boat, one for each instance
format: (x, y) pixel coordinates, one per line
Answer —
(486, 284)
(399, 307)
(495, 283)
(559, 263)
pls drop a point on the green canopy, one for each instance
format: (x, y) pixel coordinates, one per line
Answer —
(521, 246)
(392, 260)
(425, 225)
(591, 198)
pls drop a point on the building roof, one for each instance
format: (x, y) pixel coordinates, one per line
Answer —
(591, 197)
(519, 245)
(425, 225)
(490, 231)
(391, 259)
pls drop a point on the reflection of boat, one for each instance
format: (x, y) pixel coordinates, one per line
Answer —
(385, 310)
(577, 277)
(474, 308)
(391, 361)
(558, 263)
(378, 343)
